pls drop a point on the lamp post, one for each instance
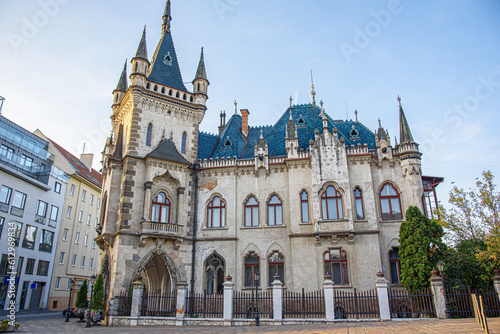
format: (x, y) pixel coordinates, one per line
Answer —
(256, 283)
(440, 267)
(92, 280)
(71, 282)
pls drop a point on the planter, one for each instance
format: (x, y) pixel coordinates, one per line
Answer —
(6, 327)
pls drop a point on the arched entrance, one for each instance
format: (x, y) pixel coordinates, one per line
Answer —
(159, 273)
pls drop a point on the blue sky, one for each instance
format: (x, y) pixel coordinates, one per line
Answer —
(61, 59)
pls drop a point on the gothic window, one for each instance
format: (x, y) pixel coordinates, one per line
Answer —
(148, 134)
(301, 122)
(251, 212)
(354, 134)
(395, 266)
(276, 266)
(228, 144)
(336, 266)
(155, 88)
(177, 95)
(135, 67)
(390, 204)
(304, 206)
(274, 212)
(183, 145)
(170, 92)
(191, 99)
(331, 203)
(163, 90)
(184, 96)
(148, 85)
(251, 268)
(161, 209)
(358, 199)
(216, 213)
(214, 270)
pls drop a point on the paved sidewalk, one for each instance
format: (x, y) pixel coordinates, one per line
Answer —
(42, 326)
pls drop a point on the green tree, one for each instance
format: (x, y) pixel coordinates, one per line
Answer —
(420, 248)
(81, 298)
(98, 297)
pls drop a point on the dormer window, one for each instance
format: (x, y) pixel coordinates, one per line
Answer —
(228, 144)
(354, 134)
(167, 59)
(301, 122)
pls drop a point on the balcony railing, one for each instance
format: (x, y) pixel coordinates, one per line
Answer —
(155, 227)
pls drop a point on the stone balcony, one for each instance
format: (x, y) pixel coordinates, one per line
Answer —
(166, 231)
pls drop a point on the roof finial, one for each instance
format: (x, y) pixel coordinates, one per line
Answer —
(291, 101)
(261, 134)
(399, 100)
(313, 93)
(235, 107)
(379, 123)
(167, 17)
(356, 113)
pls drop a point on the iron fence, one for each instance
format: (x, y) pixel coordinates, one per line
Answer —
(201, 305)
(460, 304)
(356, 305)
(159, 305)
(245, 305)
(411, 304)
(124, 304)
(302, 305)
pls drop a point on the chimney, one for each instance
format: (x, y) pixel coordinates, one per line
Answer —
(244, 122)
(87, 159)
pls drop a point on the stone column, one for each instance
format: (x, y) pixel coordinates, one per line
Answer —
(181, 303)
(228, 301)
(329, 302)
(496, 282)
(135, 310)
(112, 310)
(277, 299)
(180, 203)
(437, 287)
(146, 214)
(383, 297)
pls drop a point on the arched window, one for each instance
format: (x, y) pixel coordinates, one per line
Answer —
(161, 209)
(148, 85)
(358, 199)
(216, 213)
(170, 92)
(336, 266)
(304, 206)
(214, 270)
(155, 88)
(274, 212)
(183, 145)
(251, 268)
(390, 206)
(163, 90)
(331, 203)
(395, 266)
(148, 134)
(251, 212)
(276, 265)
(135, 67)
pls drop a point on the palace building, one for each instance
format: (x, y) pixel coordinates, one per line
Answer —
(305, 197)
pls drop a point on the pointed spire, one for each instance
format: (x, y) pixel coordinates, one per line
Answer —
(142, 50)
(123, 82)
(313, 93)
(167, 17)
(290, 128)
(291, 101)
(201, 72)
(404, 129)
(382, 134)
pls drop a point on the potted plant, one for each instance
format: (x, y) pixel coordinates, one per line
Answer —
(81, 302)
(8, 326)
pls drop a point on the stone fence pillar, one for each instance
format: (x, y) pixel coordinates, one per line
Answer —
(383, 297)
(135, 310)
(496, 282)
(277, 299)
(437, 287)
(228, 300)
(329, 302)
(181, 303)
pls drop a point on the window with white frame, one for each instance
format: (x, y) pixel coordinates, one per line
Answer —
(57, 187)
(61, 258)
(91, 265)
(98, 203)
(93, 243)
(83, 195)
(54, 211)
(68, 213)
(89, 217)
(65, 234)
(80, 216)
(86, 240)
(91, 199)
(72, 190)
(73, 263)
(41, 210)
(58, 281)
(83, 262)
(77, 237)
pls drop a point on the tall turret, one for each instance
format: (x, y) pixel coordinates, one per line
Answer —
(291, 138)
(200, 82)
(140, 63)
(121, 88)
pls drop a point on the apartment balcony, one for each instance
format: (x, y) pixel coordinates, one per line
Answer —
(166, 231)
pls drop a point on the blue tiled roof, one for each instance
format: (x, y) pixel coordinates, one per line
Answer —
(231, 142)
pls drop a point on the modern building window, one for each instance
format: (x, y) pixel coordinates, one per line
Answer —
(93, 243)
(89, 217)
(336, 266)
(57, 187)
(91, 265)
(251, 212)
(183, 144)
(43, 268)
(58, 282)
(47, 241)
(6, 152)
(26, 161)
(251, 268)
(161, 209)
(72, 190)
(83, 262)
(274, 212)
(30, 267)
(276, 266)
(80, 216)
(19, 200)
(390, 204)
(149, 134)
(216, 213)
(65, 234)
(17, 232)
(68, 213)
(5, 194)
(395, 266)
(29, 237)
(304, 206)
(61, 258)
(73, 263)
(2, 221)
(4, 265)
(68, 287)
(358, 199)
(54, 211)
(91, 199)
(20, 261)
(98, 203)
(77, 238)
(86, 240)
(331, 204)
(41, 211)
(83, 195)
(96, 224)
(214, 270)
